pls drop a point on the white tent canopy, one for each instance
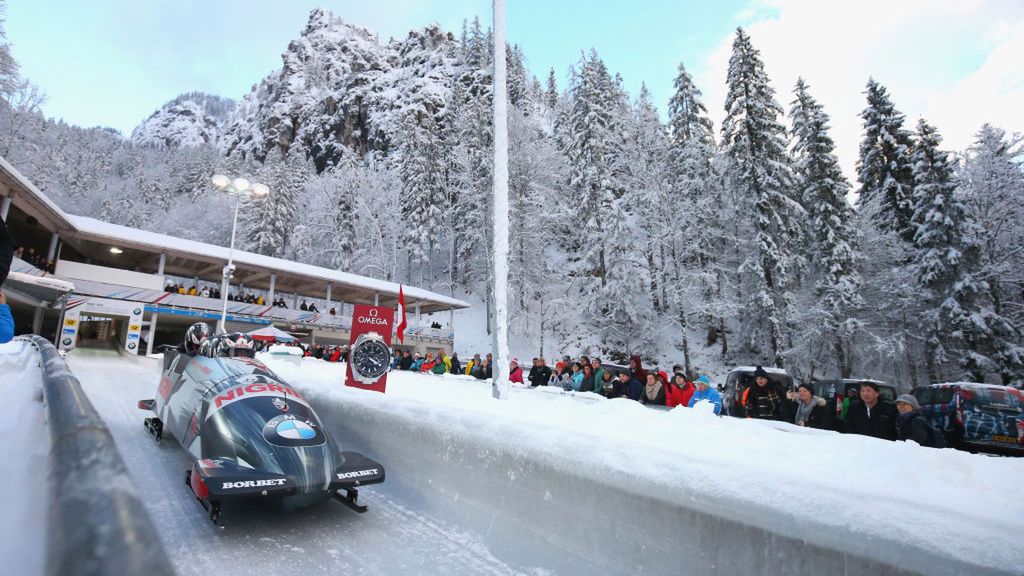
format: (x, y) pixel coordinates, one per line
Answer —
(272, 333)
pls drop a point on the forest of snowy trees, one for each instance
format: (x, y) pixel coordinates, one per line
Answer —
(676, 240)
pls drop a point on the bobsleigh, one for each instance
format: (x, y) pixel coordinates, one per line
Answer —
(250, 434)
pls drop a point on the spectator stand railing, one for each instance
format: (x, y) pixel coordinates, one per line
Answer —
(96, 523)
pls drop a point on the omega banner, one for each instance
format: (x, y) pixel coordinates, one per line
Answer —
(369, 353)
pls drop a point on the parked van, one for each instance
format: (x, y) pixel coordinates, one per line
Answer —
(976, 417)
(741, 378)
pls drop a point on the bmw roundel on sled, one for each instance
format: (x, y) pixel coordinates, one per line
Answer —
(249, 434)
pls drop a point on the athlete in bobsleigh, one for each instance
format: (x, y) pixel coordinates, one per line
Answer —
(249, 433)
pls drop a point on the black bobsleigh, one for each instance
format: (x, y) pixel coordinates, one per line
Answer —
(249, 433)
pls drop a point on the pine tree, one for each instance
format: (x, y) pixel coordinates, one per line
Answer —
(696, 239)
(596, 132)
(421, 169)
(945, 245)
(754, 140)
(885, 169)
(517, 82)
(993, 184)
(551, 91)
(268, 223)
(830, 229)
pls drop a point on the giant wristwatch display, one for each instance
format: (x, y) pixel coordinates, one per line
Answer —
(370, 358)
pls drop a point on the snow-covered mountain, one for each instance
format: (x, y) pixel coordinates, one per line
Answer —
(339, 87)
(189, 120)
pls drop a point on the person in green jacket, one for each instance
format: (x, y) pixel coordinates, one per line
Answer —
(595, 364)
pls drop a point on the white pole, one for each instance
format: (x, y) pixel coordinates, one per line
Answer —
(5, 206)
(500, 369)
(228, 270)
(152, 333)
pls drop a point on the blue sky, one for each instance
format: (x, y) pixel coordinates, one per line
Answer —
(112, 62)
(954, 62)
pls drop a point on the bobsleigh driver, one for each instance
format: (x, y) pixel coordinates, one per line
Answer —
(249, 434)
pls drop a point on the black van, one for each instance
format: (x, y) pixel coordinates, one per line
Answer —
(835, 391)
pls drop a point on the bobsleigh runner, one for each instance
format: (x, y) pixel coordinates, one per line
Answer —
(250, 434)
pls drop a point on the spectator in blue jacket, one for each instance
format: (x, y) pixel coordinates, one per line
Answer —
(706, 392)
(6, 257)
(6, 321)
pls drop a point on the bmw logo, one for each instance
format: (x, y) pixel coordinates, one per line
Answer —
(295, 430)
(137, 311)
(131, 345)
(66, 341)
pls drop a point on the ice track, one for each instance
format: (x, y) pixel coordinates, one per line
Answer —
(392, 538)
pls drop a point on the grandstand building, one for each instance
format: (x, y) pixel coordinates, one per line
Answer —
(118, 278)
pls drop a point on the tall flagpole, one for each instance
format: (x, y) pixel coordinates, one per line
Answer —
(501, 220)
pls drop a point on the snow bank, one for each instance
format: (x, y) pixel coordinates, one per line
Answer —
(23, 460)
(610, 483)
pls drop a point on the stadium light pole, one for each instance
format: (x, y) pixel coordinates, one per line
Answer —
(241, 189)
(501, 219)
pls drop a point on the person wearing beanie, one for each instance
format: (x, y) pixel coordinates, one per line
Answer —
(626, 387)
(6, 258)
(871, 416)
(706, 392)
(679, 391)
(764, 400)
(910, 425)
(515, 373)
(807, 409)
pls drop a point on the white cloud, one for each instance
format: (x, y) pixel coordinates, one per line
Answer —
(956, 63)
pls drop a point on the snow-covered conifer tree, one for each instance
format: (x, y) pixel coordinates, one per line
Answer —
(831, 235)
(754, 140)
(421, 171)
(885, 169)
(959, 323)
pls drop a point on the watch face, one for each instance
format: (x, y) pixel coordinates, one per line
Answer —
(371, 359)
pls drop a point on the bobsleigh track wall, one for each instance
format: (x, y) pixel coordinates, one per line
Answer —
(587, 521)
(96, 523)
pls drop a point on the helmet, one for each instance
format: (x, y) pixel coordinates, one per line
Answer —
(196, 335)
(235, 345)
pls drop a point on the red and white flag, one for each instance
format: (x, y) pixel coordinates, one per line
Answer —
(401, 314)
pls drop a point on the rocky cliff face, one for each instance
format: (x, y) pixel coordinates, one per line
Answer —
(189, 120)
(340, 89)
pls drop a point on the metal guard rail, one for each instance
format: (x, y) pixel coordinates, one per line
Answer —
(96, 523)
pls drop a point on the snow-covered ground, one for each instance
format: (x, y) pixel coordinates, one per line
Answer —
(807, 484)
(23, 460)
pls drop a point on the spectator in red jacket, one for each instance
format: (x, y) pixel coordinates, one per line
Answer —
(680, 391)
(515, 373)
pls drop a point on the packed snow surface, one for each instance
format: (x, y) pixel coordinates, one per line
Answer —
(23, 460)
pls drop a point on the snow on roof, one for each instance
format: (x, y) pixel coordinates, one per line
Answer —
(768, 369)
(124, 235)
(42, 281)
(973, 385)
